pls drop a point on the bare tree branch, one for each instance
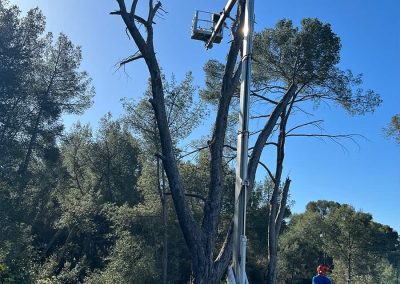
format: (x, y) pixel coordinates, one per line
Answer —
(271, 176)
(282, 206)
(314, 123)
(334, 138)
(131, 58)
(303, 111)
(153, 11)
(195, 195)
(271, 143)
(260, 116)
(230, 147)
(349, 136)
(130, 25)
(254, 94)
(122, 5)
(255, 132)
(225, 254)
(192, 152)
(270, 89)
(133, 7)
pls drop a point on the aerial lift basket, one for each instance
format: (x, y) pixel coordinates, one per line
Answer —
(203, 26)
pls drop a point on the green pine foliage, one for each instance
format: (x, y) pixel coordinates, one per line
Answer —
(393, 128)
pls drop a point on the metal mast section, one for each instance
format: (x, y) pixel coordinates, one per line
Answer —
(242, 183)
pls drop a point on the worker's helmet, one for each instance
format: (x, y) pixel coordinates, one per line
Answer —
(322, 269)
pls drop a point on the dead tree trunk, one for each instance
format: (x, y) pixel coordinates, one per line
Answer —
(200, 238)
(278, 205)
(164, 216)
(273, 234)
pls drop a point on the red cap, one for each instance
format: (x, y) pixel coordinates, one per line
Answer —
(322, 269)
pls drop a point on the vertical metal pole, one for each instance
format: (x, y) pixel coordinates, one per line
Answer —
(239, 242)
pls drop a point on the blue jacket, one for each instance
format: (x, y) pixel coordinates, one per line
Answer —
(321, 279)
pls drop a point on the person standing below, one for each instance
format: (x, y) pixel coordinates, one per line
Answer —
(321, 278)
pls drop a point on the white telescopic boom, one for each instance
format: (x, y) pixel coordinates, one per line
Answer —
(242, 183)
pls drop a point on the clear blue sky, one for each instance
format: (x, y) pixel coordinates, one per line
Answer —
(366, 176)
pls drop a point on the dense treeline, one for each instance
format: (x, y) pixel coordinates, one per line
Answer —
(94, 206)
(358, 249)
